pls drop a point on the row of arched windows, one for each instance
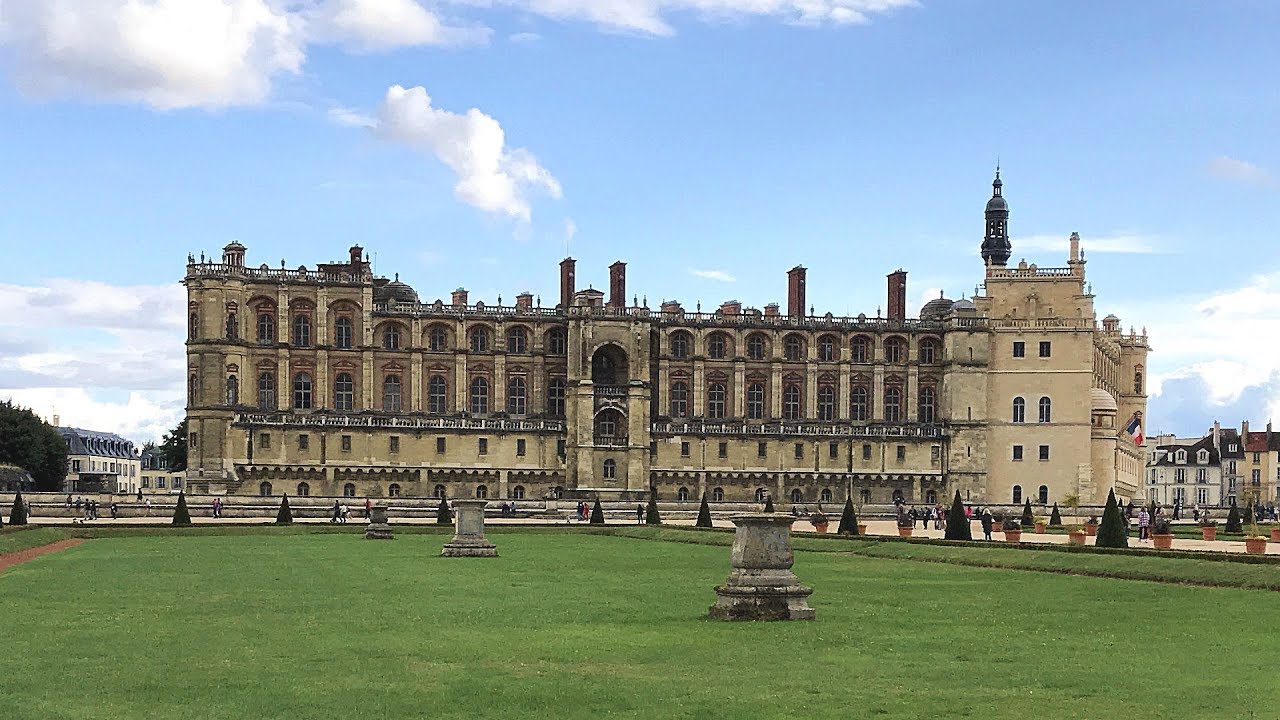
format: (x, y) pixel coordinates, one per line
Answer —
(517, 492)
(720, 345)
(1042, 496)
(793, 402)
(1020, 410)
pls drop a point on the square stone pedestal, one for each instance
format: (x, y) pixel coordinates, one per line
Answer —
(468, 539)
(761, 585)
(378, 528)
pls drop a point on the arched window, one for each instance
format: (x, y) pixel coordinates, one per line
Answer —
(898, 496)
(679, 400)
(865, 495)
(826, 403)
(391, 338)
(895, 350)
(233, 327)
(264, 489)
(761, 495)
(1044, 495)
(893, 404)
(517, 340)
(797, 496)
(302, 391)
(517, 400)
(393, 490)
(717, 494)
(349, 490)
(928, 351)
(931, 497)
(858, 402)
(1137, 380)
(716, 394)
(438, 492)
(266, 391)
(717, 346)
(608, 422)
(679, 344)
(344, 392)
(342, 334)
(193, 326)
(791, 402)
(682, 495)
(304, 489)
(755, 401)
(826, 348)
(1019, 410)
(928, 404)
(793, 347)
(479, 396)
(301, 331)
(233, 390)
(860, 348)
(479, 338)
(1017, 494)
(392, 395)
(266, 327)
(557, 342)
(825, 495)
(437, 395)
(1046, 410)
(555, 397)
(517, 492)
(610, 469)
(756, 347)
(438, 338)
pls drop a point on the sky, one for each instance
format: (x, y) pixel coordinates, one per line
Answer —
(710, 144)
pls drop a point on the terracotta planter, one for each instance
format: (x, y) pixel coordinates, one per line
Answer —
(1275, 534)
(1255, 546)
(904, 531)
(1090, 529)
(1013, 536)
(1041, 528)
(1208, 533)
(820, 527)
(1162, 542)
(1075, 537)
(862, 528)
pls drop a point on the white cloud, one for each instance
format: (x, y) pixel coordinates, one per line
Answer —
(351, 118)
(491, 176)
(718, 275)
(1119, 242)
(570, 230)
(1240, 171)
(372, 25)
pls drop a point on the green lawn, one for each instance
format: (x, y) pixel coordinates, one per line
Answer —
(577, 625)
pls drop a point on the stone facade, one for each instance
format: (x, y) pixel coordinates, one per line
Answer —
(330, 381)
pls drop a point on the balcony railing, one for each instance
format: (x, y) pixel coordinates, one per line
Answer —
(800, 429)
(609, 441)
(395, 422)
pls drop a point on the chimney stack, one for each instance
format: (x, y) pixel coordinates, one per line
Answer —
(1244, 432)
(57, 421)
(566, 283)
(671, 306)
(460, 297)
(771, 310)
(1217, 435)
(898, 295)
(618, 285)
(731, 307)
(795, 291)
(357, 256)
(524, 300)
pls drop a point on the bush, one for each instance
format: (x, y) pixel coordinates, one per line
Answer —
(181, 516)
(1027, 518)
(1233, 520)
(651, 516)
(1055, 518)
(285, 515)
(597, 513)
(958, 527)
(1160, 526)
(18, 516)
(1011, 525)
(1112, 533)
(443, 516)
(768, 503)
(817, 519)
(704, 514)
(848, 519)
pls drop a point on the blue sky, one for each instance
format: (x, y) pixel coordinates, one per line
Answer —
(469, 143)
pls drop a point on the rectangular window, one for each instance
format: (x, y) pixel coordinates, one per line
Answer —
(482, 446)
(833, 450)
(724, 449)
(799, 450)
(762, 449)
(304, 441)
(653, 448)
(902, 453)
(866, 451)
(1202, 475)
(1202, 496)
(439, 446)
(1044, 348)
(1017, 452)
(520, 447)
(146, 482)
(1019, 349)
(1180, 475)
(160, 483)
(264, 441)
(1256, 477)
(393, 444)
(346, 443)
(560, 447)
(684, 449)
(75, 466)
(935, 454)
(1044, 452)
(192, 438)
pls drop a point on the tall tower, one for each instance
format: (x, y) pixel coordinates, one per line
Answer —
(995, 245)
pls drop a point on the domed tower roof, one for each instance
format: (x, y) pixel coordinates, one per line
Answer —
(996, 248)
(936, 309)
(1101, 401)
(395, 291)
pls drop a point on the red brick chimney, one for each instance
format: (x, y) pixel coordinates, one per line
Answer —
(898, 295)
(357, 256)
(618, 285)
(566, 282)
(795, 291)
(460, 297)
(731, 307)
(524, 300)
(771, 310)
(670, 306)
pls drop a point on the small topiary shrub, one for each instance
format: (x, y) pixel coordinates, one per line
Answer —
(1233, 520)
(597, 513)
(848, 519)
(18, 515)
(768, 504)
(1112, 532)
(285, 515)
(651, 516)
(1027, 518)
(181, 516)
(1055, 518)
(704, 514)
(443, 516)
(958, 527)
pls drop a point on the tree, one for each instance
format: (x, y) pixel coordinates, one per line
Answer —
(651, 516)
(18, 516)
(1233, 520)
(597, 513)
(443, 516)
(173, 448)
(33, 445)
(958, 527)
(1112, 533)
(704, 514)
(768, 503)
(181, 516)
(848, 519)
(285, 515)
(1027, 518)
(1055, 519)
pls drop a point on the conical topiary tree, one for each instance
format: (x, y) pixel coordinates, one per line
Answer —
(848, 519)
(958, 527)
(651, 516)
(443, 516)
(1233, 519)
(181, 516)
(1112, 532)
(1055, 518)
(597, 513)
(18, 515)
(768, 503)
(1027, 518)
(285, 515)
(704, 514)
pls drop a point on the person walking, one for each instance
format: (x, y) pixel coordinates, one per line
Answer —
(337, 512)
(987, 521)
(115, 511)
(1144, 524)
(639, 514)
(346, 513)
(368, 508)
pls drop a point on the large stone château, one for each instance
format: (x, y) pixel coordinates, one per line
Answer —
(331, 381)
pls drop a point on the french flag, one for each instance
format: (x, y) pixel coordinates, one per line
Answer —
(1134, 428)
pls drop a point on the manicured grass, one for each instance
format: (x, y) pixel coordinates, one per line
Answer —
(588, 625)
(27, 536)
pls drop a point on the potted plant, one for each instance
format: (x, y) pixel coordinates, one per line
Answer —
(1012, 528)
(1254, 541)
(905, 525)
(1076, 535)
(1161, 534)
(819, 522)
(1042, 525)
(1208, 529)
(1275, 534)
(997, 522)
(1091, 526)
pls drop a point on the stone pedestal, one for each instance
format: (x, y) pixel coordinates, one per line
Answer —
(761, 585)
(377, 529)
(468, 539)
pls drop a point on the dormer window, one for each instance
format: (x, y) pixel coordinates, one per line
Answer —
(1203, 457)
(1182, 456)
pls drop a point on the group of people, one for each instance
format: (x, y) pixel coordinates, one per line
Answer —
(584, 511)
